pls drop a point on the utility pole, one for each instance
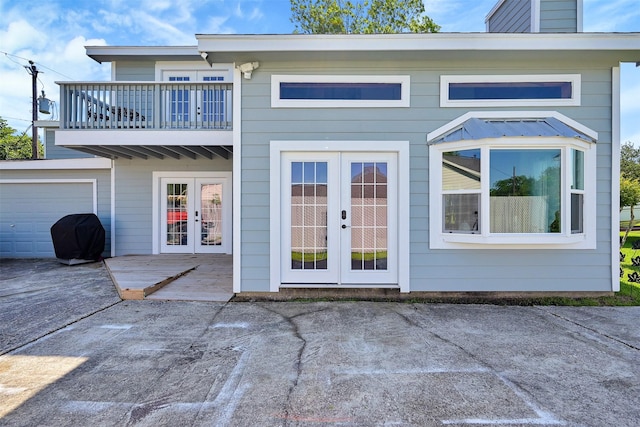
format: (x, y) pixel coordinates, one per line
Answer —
(31, 69)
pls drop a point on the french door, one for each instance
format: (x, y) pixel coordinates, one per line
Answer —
(194, 215)
(189, 105)
(339, 218)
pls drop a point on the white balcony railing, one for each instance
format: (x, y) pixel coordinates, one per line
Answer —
(140, 105)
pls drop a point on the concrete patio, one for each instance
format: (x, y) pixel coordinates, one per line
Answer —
(180, 277)
(72, 353)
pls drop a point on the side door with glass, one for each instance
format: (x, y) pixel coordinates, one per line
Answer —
(194, 216)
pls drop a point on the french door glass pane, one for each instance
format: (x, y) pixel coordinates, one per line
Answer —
(309, 215)
(369, 229)
(177, 215)
(211, 214)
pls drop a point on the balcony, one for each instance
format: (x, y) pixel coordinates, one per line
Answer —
(139, 105)
(147, 119)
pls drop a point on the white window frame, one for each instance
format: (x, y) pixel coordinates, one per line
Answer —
(438, 239)
(223, 70)
(276, 102)
(574, 79)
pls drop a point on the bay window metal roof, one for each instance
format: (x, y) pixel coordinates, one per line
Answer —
(481, 128)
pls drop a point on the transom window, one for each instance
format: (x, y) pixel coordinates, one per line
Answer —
(290, 91)
(511, 90)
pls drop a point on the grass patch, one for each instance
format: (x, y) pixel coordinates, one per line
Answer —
(629, 290)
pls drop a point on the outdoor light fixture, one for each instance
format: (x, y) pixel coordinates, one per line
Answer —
(247, 68)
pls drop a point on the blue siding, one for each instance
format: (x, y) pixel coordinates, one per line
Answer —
(558, 16)
(134, 198)
(513, 16)
(430, 270)
(135, 71)
(51, 151)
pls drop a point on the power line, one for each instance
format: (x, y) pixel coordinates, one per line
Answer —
(15, 118)
(41, 65)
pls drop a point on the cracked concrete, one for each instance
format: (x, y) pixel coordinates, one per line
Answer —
(150, 363)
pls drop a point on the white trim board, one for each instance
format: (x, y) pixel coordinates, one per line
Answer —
(136, 137)
(176, 66)
(237, 180)
(615, 179)
(58, 164)
(223, 44)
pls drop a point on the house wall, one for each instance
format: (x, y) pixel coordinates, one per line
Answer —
(51, 151)
(513, 16)
(135, 71)
(479, 269)
(31, 207)
(134, 207)
(558, 16)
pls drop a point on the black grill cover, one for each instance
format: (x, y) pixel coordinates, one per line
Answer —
(78, 236)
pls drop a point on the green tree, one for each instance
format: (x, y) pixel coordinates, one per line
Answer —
(520, 185)
(629, 182)
(630, 161)
(360, 17)
(13, 146)
(629, 197)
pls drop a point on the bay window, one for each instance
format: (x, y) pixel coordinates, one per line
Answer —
(515, 191)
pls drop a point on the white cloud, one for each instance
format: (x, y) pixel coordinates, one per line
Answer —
(161, 32)
(216, 25)
(20, 35)
(256, 14)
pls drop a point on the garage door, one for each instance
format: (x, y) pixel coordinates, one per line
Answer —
(29, 209)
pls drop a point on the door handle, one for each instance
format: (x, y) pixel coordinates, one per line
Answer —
(344, 214)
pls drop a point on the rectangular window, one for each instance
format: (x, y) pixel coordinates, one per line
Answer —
(524, 192)
(291, 91)
(511, 90)
(514, 90)
(342, 91)
(461, 191)
(577, 191)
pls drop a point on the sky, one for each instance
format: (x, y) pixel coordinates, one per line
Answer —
(53, 34)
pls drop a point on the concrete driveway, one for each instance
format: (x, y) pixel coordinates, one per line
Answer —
(75, 355)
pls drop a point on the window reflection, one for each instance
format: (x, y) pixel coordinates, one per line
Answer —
(369, 227)
(525, 191)
(309, 215)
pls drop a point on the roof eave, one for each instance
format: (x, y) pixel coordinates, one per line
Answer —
(417, 42)
(118, 53)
